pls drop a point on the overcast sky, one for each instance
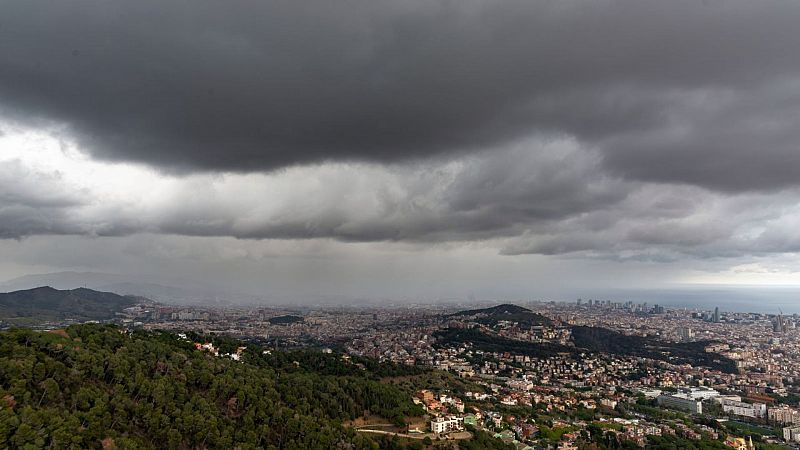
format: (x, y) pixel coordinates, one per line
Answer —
(403, 150)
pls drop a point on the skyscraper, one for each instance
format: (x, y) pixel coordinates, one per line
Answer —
(716, 314)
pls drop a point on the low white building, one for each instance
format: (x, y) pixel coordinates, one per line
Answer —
(721, 398)
(650, 393)
(791, 434)
(699, 393)
(520, 385)
(784, 415)
(683, 402)
(448, 424)
(752, 410)
(608, 403)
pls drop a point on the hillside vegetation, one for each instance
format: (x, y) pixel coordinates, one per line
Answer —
(593, 339)
(285, 320)
(449, 337)
(599, 339)
(505, 312)
(96, 386)
(44, 304)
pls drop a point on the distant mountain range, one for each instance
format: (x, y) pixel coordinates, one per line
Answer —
(61, 280)
(47, 304)
(123, 285)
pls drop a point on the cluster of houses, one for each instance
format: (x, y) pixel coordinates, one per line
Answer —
(448, 417)
(209, 347)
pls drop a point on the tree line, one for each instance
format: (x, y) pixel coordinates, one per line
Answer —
(98, 386)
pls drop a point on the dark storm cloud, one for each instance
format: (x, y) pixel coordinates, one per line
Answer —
(725, 140)
(249, 86)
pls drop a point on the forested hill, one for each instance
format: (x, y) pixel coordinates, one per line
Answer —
(479, 340)
(600, 339)
(285, 320)
(505, 312)
(96, 386)
(47, 304)
(505, 308)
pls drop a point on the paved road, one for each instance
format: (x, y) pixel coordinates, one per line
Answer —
(456, 436)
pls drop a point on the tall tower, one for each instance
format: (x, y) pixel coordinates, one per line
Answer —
(779, 326)
(716, 314)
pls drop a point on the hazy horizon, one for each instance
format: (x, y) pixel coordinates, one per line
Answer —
(406, 151)
(754, 298)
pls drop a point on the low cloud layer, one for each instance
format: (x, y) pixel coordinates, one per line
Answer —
(473, 198)
(549, 198)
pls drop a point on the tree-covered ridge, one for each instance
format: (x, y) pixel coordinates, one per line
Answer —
(46, 304)
(594, 339)
(285, 320)
(505, 308)
(97, 386)
(491, 343)
(505, 312)
(600, 339)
